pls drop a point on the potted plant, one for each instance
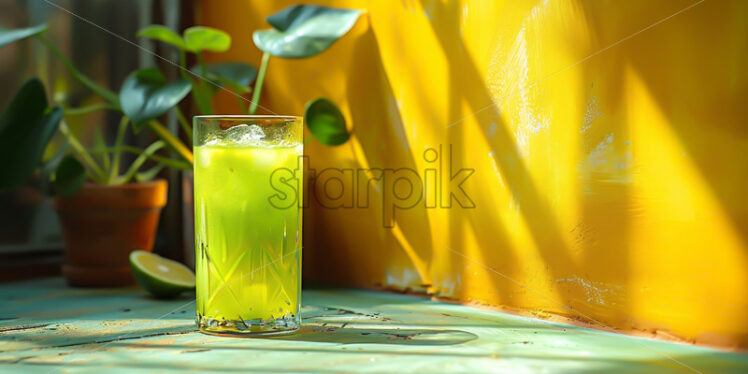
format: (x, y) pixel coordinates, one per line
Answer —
(106, 214)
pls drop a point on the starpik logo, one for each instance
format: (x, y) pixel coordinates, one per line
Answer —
(438, 185)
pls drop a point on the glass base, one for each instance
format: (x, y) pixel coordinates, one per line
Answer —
(280, 325)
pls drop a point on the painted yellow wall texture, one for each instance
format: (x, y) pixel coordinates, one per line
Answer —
(609, 143)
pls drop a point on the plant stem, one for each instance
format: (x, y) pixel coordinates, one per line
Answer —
(172, 163)
(197, 91)
(183, 63)
(149, 174)
(258, 86)
(89, 109)
(202, 104)
(99, 142)
(117, 152)
(150, 150)
(93, 86)
(201, 62)
(171, 141)
(201, 96)
(185, 125)
(82, 153)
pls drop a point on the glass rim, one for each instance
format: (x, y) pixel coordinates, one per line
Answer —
(246, 116)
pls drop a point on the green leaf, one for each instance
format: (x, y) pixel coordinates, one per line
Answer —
(145, 95)
(235, 75)
(325, 121)
(239, 72)
(8, 36)
(69, 177)
(26, 127)
(49, 167)
(233, 85)
(29, 103)
(163, 34)
(201, 38)
(304, 30)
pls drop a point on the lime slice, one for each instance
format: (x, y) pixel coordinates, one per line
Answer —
(162, 277)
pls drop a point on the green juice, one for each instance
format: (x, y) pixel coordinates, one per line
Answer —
(248, 251)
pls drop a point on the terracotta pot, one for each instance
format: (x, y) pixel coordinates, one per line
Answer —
(101, 225)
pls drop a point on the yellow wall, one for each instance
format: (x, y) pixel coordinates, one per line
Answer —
(611, 159)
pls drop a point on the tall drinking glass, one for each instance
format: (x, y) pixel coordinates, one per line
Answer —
(248, 223)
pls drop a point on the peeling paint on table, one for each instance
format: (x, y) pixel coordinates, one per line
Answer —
(48, 327)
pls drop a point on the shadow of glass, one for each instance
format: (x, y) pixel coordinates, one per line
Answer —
(328, 334)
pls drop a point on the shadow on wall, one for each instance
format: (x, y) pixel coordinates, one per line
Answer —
(380, 134)
(467, 85)
(707, 126)
(692, 70)
(603, 233)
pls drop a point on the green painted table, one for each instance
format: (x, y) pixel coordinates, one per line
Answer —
(48, 327)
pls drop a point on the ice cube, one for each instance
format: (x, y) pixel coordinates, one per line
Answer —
(243, 134)
(213, 139)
